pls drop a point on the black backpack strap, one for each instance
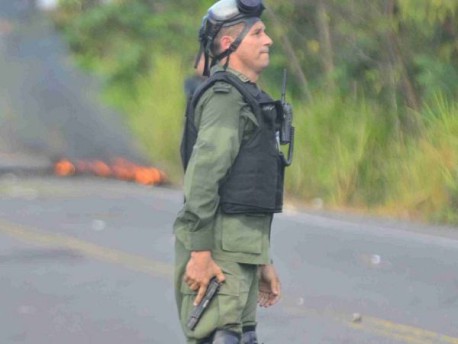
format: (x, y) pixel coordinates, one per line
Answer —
(230, 79)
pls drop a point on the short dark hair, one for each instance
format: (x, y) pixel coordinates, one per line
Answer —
(232, 31)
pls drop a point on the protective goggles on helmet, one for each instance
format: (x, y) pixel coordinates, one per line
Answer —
(226, 13)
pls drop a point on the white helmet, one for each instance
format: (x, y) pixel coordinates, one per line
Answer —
(226, 13)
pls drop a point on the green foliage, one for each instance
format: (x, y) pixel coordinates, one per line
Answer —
(442, 141)
(112, 40)
(372, 48)
(427, 11)
(436, 76)
(119, 39)
(420, 173)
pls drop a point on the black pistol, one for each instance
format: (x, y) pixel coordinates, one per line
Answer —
(198, 310)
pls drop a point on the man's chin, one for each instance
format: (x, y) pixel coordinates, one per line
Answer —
(265, 59)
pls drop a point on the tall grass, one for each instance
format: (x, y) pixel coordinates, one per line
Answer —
(427, 183)
(350, 153)
(335, 140)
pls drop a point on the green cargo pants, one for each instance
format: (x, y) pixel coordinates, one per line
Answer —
(233, 308)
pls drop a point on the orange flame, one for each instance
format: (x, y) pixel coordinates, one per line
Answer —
(148, 176)
(64, 168)
(124, 169)
(101, 169)
(120, 168)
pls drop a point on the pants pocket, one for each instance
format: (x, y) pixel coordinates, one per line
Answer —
(242, 233)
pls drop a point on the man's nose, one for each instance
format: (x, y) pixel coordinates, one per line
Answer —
(269, 40)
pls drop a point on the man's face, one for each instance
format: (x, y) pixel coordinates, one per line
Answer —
(252, 55)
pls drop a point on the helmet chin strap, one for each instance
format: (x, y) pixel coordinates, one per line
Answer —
(248, 23)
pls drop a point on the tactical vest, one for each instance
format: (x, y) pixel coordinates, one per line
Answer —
(254, 183)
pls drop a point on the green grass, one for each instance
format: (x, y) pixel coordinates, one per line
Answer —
(427, 187)
(351, 154)
(333, 138)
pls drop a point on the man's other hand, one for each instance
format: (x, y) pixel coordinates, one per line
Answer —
(269, 286)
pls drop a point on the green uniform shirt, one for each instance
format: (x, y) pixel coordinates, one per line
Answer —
(224, 121)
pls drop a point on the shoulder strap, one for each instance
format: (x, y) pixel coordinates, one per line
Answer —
(230, 79)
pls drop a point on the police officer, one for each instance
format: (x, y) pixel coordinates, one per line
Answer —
(233, 180)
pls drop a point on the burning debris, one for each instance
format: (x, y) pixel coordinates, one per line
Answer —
(119, 168)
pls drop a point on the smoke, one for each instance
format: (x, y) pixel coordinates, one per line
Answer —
(48, 107)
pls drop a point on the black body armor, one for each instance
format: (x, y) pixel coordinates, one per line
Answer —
(254, 184)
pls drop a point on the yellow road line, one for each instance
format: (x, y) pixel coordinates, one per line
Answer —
(131, 261)
(404, 330)
(404, 333)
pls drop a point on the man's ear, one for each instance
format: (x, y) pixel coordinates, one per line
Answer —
(226, 42)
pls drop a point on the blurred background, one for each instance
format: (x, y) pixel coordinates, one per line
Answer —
(373, 83)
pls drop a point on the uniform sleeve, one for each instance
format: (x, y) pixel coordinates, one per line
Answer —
(220, 131)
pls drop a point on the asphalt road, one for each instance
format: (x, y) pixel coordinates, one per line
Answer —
(90, 261)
